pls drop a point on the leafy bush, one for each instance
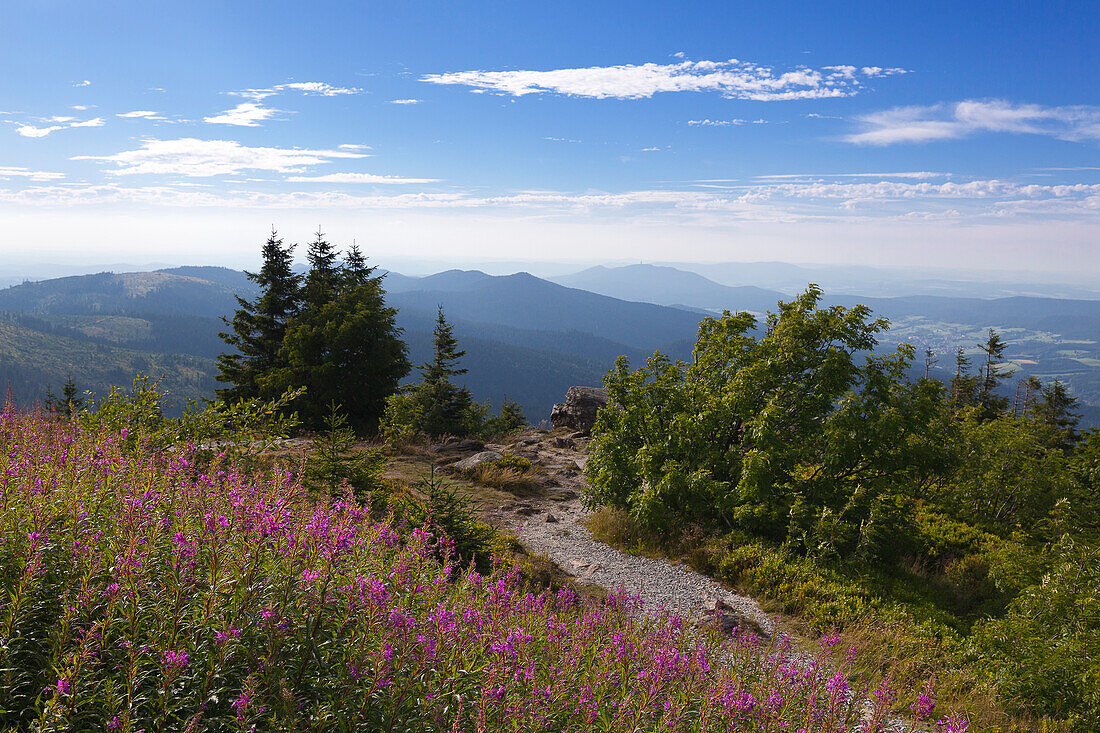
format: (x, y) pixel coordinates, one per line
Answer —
(1043, 653)
(785, 436)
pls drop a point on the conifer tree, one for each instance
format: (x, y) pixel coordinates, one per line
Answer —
(991, 375)
(964, 385)
(70, 401)
(259, 326)
(323, 277)
(445, 406)
(344, 346)
(1054, 411)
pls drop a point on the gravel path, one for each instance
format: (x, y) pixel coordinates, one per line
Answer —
(551, 525)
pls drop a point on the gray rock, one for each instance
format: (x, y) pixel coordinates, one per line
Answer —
(457, 446)
(578, 412)
(561, 442)
(485, 456)
(551, 518)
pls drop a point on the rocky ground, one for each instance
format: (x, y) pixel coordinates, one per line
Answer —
(551, 523)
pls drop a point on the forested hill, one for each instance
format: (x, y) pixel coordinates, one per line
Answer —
(131, 293)
(526, 337)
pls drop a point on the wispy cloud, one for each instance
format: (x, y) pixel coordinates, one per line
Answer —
(24, 173)
(202, 158)
(922, 175)
(962, 119)
(359, 178)
(27, 129)
(309, 88)
(141, 114)
(82, 83)
(733, 79)
(318, 88)
(245, 114)
(893, 201)
(716, 123)
(404, 101)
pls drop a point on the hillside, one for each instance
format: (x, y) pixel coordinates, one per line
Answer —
(34, 363)
(527, 302)
(130, 293)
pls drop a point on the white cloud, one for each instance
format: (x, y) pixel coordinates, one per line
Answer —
(141, 113)
(404, 101)
(876, 71)
(949, 122)
(358, 178)
(245, 114)
(732, 79)
(715, 123)
(81, 107)
(318, 88)
(886, 201)
(32, 131)
(201, 158)
(903, 174)
(309, 88)
(83, 83)
(26, 129)
(353, 146)
(15, 172)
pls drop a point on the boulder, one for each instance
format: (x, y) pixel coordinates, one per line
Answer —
(578, 412)
(485, 456)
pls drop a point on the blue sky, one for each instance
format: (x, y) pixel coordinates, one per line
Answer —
(940, 134)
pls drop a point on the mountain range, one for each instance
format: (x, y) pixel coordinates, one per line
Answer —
(526, 337)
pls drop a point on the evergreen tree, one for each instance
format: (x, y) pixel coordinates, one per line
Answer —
(991, 375)
(356, 271)
(964, 385)
(1054, 412)
(344, 346)
(445, 406)
(70, 401)
(323, 278)
(259, 326)
(334, 462)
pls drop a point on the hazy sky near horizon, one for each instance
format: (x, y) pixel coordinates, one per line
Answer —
(939, 134)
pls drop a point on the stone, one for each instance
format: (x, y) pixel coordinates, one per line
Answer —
(729, 620)
(560, 442)
(485, 456)
(456, 445)
(550, 518)
(578, 412)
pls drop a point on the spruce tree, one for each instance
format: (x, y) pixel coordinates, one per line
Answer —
(1054, 412)
(964, 385)
(991, 375)
(345, 345)
(71, 402)
(445, 406)
(323, 277)
(259, 326)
